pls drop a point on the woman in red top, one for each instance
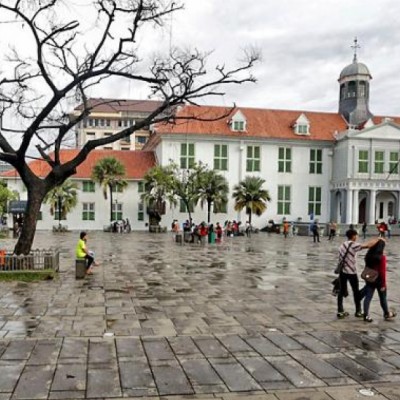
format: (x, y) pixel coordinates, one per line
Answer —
(377, 260)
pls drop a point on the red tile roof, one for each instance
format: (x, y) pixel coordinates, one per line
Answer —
(116, 106)
(261, 123)
(136, 163)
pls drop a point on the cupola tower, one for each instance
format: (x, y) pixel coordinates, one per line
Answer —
(354, 91)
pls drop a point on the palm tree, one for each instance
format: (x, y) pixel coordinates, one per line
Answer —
(62, 199)
(109, 172)
(249, 194)
(214, 188)
(158, 184)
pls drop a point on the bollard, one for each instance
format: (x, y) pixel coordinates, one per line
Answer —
(80, 268)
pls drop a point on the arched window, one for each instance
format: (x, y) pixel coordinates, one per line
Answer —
(342, 91)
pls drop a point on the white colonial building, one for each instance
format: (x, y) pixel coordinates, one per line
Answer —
(339, 166)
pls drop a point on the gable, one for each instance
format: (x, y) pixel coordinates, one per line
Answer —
(386, 131)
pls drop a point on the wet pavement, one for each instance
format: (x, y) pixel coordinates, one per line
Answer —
(249, 317)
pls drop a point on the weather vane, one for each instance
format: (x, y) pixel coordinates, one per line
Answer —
(355, 47)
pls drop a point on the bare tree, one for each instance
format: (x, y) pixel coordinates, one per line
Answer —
(61, 63)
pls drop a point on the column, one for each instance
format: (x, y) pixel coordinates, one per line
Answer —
(349, 206)
(372, 206)
(355, 205)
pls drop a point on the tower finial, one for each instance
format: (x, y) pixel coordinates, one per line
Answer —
(355, 47)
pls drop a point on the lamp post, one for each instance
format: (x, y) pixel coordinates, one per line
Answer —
(59, 201)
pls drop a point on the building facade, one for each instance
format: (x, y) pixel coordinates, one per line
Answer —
(341, 166)
(109, 116)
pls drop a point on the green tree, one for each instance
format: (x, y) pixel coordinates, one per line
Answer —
(249, 194)
(5, 196)
(213, 188)
(109, 173)
(158, 184)
(62, 199)
(62, 64)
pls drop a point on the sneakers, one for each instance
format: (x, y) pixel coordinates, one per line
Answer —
(359, 314)
(342, 315)
(367, 318)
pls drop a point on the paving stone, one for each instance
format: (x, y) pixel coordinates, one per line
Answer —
(211, 347)
(66, 395)
(69, 377)
(19, 350)
(136, 378)
(9, 374)
(314, 344)
(103, 383)
(283, 341)
(235, 377)
(129, 348)
(235, 344)
(263, 346)
(34, 382)
(102, 352)
(74, 348)
(45, 352)
(170, 379)
(303, 396)
(295, 372)
(183, 345)
(200, 373)
(261, 370)
(158, 349)
(353, 369)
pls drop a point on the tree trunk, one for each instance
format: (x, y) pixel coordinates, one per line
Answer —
(111, 203)
(250, 216)
(208, 211)
(25, 240)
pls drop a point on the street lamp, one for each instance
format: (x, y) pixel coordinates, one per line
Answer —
(59, 201)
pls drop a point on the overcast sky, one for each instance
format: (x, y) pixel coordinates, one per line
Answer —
(304, 43)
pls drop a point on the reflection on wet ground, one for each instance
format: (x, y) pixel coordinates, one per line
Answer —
(256, 313)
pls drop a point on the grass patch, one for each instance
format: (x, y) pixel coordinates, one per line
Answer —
(27, 276)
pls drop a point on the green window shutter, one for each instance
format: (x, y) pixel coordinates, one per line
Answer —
(249, 166)
(224, 165)
(249, 152)
(256, 165)
(281, 166)
(287, 193)
(288, 166)
(257, 152)
(224, 150)
(183, 149)
(281, 154)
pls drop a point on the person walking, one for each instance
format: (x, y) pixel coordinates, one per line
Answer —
(248, 229)
(347, 254)
(315, 231)
(376, 259)
(332, 230)
(286, 228)
(364, 230)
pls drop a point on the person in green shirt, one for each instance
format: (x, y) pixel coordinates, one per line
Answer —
(82, 252)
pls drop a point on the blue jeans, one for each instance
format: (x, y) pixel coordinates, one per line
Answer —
(369, 290)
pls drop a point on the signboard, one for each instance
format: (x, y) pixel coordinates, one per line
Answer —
(17, 206)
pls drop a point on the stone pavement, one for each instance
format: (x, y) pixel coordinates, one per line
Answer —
(250, 318)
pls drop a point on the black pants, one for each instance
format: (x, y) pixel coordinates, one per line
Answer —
(357, 294)
(89, 261)
(316, 236)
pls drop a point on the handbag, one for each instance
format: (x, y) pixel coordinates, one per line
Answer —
(369, 275)
(342, 260)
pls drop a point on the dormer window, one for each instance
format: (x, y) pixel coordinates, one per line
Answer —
(302, 125)
(302, 129)
(238, 122)
(238, 125)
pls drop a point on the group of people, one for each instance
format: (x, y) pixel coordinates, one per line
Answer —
(214, 233)
(123, 226)
(374, 259)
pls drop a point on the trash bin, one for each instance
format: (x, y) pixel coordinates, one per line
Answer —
(80, 268)
(178, 238)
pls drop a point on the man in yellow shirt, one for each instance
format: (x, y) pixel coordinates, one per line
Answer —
(82, 252)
